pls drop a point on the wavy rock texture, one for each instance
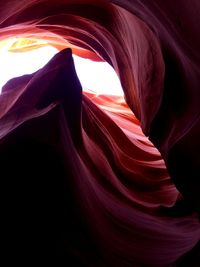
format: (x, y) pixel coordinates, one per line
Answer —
(81, 184)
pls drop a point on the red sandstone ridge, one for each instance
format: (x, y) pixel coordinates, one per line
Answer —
(81, 183)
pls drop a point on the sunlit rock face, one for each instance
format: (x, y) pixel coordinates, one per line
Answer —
(81, 183)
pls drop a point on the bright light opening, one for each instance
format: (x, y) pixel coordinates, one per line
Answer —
(98, 77)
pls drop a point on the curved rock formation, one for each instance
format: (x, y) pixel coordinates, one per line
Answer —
(81, 183)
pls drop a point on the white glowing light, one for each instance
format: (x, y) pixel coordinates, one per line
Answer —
(17, 64)
(99, 77)
(96, 76)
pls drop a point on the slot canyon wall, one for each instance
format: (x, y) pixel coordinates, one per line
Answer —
(93, 180)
